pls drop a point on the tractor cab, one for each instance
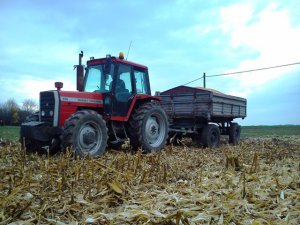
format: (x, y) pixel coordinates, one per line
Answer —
(118, 80)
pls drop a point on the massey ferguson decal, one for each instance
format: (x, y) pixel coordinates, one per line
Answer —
(83, 100)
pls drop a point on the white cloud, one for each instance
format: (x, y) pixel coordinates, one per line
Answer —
(29, 87)
(234, 17)
(269, 33)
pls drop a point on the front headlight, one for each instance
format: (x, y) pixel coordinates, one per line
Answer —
(43, 113)
(51, 113)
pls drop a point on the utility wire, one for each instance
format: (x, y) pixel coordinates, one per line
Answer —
(245, 71)
(193, 81)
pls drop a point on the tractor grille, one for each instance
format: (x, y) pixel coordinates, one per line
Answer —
(47, 107)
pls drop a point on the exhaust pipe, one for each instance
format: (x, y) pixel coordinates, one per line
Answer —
(80, 73)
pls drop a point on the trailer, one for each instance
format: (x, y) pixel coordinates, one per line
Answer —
(203, 114)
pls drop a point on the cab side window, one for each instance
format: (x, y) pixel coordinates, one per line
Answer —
(140, 82)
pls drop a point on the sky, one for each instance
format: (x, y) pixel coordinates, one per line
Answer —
(178, 40)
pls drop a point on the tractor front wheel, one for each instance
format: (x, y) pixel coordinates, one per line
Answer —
(148, 128)
(86, 132)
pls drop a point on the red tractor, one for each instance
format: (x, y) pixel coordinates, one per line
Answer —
(112, 103)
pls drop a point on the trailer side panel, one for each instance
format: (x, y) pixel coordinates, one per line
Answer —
(226, 105)
(187, 105)
(187, 102)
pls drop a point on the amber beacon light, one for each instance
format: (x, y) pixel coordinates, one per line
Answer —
(121, 55)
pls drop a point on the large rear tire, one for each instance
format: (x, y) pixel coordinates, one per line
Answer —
(234, 133)
(210, 136)
(86, 132)
(148, 128)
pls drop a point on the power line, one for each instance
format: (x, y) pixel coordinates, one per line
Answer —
(245, 71)
(253, 70)
(193, 81)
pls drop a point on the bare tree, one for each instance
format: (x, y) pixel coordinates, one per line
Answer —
(29, 106)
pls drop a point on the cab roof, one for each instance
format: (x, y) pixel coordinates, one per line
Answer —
(115, 59)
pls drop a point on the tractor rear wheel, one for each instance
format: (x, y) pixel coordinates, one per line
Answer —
(210, 136)
(234, 133)
(86, 132)
(148, 128)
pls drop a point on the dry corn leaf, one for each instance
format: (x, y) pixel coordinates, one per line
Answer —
(116, 187)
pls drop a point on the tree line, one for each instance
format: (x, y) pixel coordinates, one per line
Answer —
(12, 114)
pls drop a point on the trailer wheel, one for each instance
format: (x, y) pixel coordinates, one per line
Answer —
(210, 136)
(86, 132)
(234, 133)
(148, 128)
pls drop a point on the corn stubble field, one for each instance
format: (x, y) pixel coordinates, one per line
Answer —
(256, 182)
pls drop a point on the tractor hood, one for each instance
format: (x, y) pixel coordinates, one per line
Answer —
(85, 99)
(72, 101)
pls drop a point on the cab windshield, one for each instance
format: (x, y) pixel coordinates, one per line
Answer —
(96, 80)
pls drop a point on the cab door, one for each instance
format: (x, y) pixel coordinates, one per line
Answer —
(122, 90)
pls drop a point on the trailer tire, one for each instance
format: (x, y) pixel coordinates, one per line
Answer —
(148, 128)
(85, 131)
(210, 136)
(234, 133)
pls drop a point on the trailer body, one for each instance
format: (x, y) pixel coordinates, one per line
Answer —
(190, 110)
(207, 104)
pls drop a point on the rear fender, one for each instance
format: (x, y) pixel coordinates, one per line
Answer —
(136, 101)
